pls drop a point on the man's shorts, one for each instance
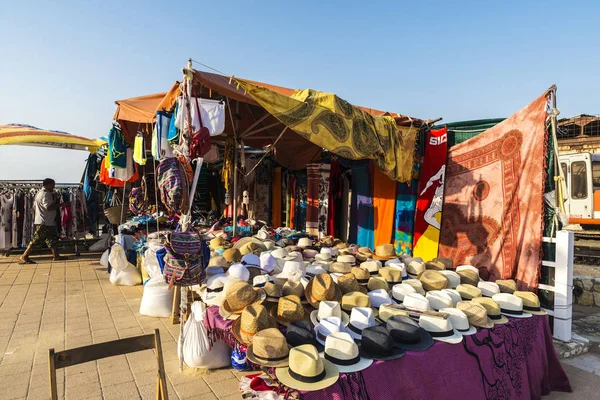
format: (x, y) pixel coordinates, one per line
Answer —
(44, 234)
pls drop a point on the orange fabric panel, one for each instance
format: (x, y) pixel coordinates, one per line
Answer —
(384, 203)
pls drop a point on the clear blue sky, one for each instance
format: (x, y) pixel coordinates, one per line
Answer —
(64, 63)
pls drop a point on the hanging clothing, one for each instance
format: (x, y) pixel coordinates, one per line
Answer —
(91, 195)
(276, 202)
(346, 209)
(312, 195)
(117, 147)
(212, 113)
(301, 201)
(262, 182)
(292, 192)
(384, 201)
(404, 221)
(139, 151)
(362, 184)
(324, 173)
(124, 174)
(227, 171)
(163, 148)
(334, 200)
(6, 212)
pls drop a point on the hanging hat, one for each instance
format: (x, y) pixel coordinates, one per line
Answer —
(211, 271)
(212, 293)
(407, 334)
(346, 258)
(348, 284)
(453, 278)
(373, 266)
(384, 252)
(492, 308)
(299, 333)
(342, 351)
(448, 264)
(387, 311)
(232, 255)
(488, 289)
(238, 272)
(377, 344)
(279, 253)
(273, 291)
(327, 326)
(322, 288)
(435, 265)
(267, 262)
(292, 270)
(414, 268)
(294, 288)
(393, 276)
(254, 318)
(289, 309)
(307, 370)
(261, 280)
(459, 321)
(304, 242)
(309, 254)
(329, 309)
(238, 296)
(377, 282)
(269, 348)
(507, 285)
(454, 295)
(379, 297)
(476, 313)
(362, 275)
(531, 302)
(360, 318)
(355, 299)
(313, 270)
(415, 283)
(468, 292)
(399, 291)
(416, 302)
(218, 261)
(510, 305)
(439, 299)
(440, 328)
(340, 267)
(433, 280)
(467, 276)
(219, 243)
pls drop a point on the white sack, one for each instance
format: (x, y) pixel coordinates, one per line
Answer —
(123, 273)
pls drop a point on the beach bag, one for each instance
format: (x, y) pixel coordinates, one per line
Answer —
(183, 271)
(122, 273)
(117, 212)
(200, 143)
(157, 300)
(172, 185)
(185, 242)
(197, 350)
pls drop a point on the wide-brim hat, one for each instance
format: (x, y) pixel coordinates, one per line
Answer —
(255, 318)
(511, 305)
(322, 287)
(507, 285)
(304, 357)
(493, 309)
(432, 324)
(384, 252)
(339, 350)
(279, 356)
(219, 243)
(372, 339)
(289, 309)
(454, 314)
(531, 303)
(249, 239)
(422, 341)
(476, 314)
(232, 255)
(228, 312)
(433, 280)
(314, 315)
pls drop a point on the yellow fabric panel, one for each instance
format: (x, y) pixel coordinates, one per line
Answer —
(334, 124)
(31, 136)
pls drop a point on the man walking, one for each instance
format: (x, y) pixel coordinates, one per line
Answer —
(46, 205)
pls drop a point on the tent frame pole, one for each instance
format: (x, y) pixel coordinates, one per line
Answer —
(234, 126)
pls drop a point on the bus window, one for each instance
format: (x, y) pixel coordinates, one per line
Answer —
(578, 180)
(596, 173)
(565, 173)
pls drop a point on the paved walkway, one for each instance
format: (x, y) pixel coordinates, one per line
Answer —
(71, 303)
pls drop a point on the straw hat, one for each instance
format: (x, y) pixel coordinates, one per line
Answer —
(377, 282)
(269, 348)
(257, 244)
(439, 299)
(252, 248)
(373, 266)
(329, 309)
(440, 328)
(433, 280)
(531, 303)
(416, 302)
(326, 327)
(377, 344)
(360, 318)
(238, 296)
(340, 267)
(254, 319)
(492, 308)
(468, 292)
(386, 311)
(379, 297)
(399, 266)
(327, 241)
(218, 261)
(346, 258)
(488, 289)
(343, 352)
(476, 313)
(435, 265)
(510, 305)
(453, 278)
(467, 268)
(292, 270)
(348, 283)
(414, 268)
(393, 276)
(361, 274)
(294, 288)
(407, 334)
(399, 291)
(365, 252)
(416, 284)
(300, 332)
(322, 288)
(355, 299)
(261, 280)
(467, 276)
(454, 295)
(289, 309)
(507, 285)
(307, 370)
(448, 264)
(384, 252)
(232, 255)
(459, 321)
(267, 261)
(219, 243)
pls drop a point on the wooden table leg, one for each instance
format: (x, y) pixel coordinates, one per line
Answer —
(176, 304)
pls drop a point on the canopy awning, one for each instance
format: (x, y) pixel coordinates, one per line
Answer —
(26, 135)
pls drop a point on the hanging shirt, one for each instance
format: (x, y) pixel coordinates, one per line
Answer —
(211, 111)
(139, 151)
(123, 174)
(163, 149)
(43, 200)
(117, 148)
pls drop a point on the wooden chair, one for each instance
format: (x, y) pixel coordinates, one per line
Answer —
(98, 351)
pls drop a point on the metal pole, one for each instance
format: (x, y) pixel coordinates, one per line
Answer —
(235, 155)
(558, 174)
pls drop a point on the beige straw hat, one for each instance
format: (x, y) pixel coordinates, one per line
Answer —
(254, 319)
(355, 299)
(507, 285)
(414, 268)
(468, 276)
(293, 288)
(273, 290)
(307, 370)
(362, 275)
(377, 282)
(433, 280)
(232, 255)
(476, 313)
(435, 265)
(386, 311)
(348, 283)
(416, 284)
(320, 288)
(468, 292)
(219, 243)
(340, 267)
(240, 295)
(269, 348)
(492, 308)
(531, 303)
(393, 276)
(384, 252)
(289, 309)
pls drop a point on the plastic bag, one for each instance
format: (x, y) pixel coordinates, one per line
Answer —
(152, 267)
(104, 259)
(196, 353)
(102, 244)
(157, 300)
(123, 273)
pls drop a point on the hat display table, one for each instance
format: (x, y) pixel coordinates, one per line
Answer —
(516, 360)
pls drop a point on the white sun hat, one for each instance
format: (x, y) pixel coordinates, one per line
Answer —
(267, 262)
(328, 309)
(452, 277)
(440, 329)
(379, 297)
(416, 302)
(400, 290)
(439, 299)
(342, 351)
(292, 270)
(510, 305)
(453, 293)
(360, 318)
(459, 321)
(488, 289)
(327, 326)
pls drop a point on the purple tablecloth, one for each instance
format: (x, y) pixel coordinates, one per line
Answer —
(511, 361)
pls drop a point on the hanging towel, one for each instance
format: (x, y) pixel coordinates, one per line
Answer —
(123, 174)
(312, 195)
(212, 113)
(139, 152)
(362, 180)
(404, 221)
(301, 201)
(324, 173)
(384, 201)
(276, 206)
(117, 148)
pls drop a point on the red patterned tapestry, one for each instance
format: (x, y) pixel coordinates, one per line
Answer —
(493, 199)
